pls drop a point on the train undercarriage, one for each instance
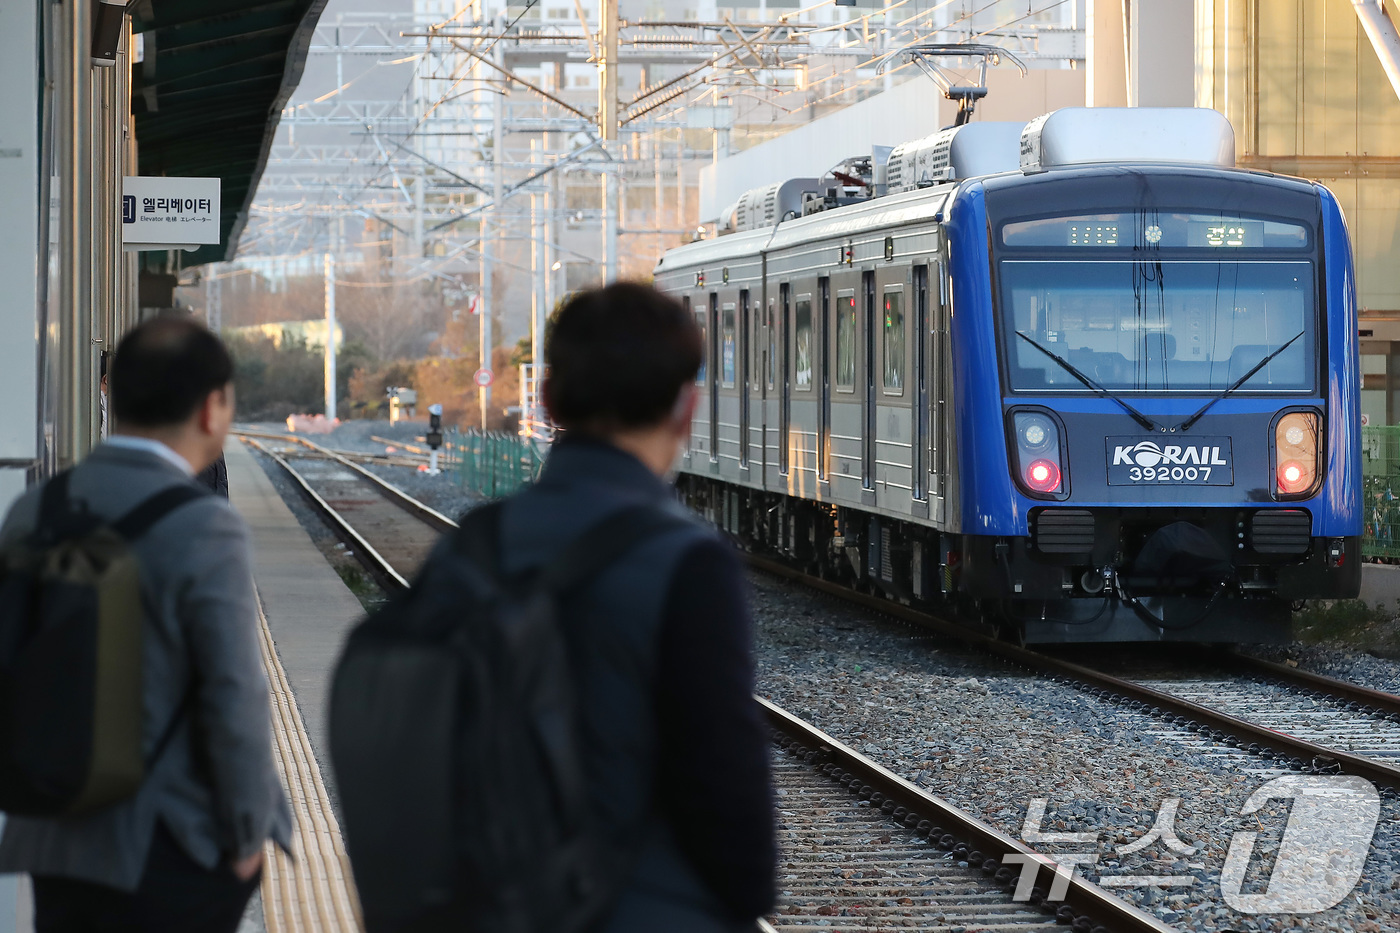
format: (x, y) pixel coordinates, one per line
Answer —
(1082, 575)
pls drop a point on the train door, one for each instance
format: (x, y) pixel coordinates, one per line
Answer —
(699, 431)
(742, 352)
(824, 361)
(920, 464)
(770, 368)
(699, 377)
(845, 402)
(715, 364)
(939, 432)
(868, 433)
(785, 379)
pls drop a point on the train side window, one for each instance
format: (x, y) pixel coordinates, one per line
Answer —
(846, 340)
(728, 347)
(894, 341)
(704, 344)
(802, 343)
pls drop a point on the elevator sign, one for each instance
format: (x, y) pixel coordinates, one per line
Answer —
(169, 213)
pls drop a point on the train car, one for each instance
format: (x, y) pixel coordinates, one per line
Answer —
(1077, 380)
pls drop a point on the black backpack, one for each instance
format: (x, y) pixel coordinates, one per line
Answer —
(454, 735)
(71, 621)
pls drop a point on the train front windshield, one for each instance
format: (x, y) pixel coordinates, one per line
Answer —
(1158, 302)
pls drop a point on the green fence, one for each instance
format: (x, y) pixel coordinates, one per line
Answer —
(493, 463)
(1380, 482)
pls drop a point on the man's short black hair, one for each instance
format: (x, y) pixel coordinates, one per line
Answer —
(163, 371)
(618, 358)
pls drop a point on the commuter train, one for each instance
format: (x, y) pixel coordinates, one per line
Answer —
(1075, 380)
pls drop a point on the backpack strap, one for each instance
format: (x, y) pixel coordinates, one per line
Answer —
(605, 542)
(479, 541)
(139, 520)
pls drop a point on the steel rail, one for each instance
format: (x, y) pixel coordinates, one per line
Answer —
(1329, 686)
(936, 818)
(400, 498)
(408, 459)
(1319, 756)
(389, 578)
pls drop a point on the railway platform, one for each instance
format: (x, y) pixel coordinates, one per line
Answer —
(306, 612)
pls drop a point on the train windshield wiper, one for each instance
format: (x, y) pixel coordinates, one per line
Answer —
(1077, 373)
(1238, 382)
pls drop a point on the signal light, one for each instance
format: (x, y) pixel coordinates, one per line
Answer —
(1296, 453)
(1043, 476)
(1039, 464)
(1292, 477)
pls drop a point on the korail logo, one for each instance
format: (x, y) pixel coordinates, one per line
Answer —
(1149, 454)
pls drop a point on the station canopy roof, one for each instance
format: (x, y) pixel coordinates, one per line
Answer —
(208, 93)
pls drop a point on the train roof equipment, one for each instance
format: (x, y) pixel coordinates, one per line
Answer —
(1066, 138)
(767, 206)
(953, 153)
(927, 55)
(1097, 135)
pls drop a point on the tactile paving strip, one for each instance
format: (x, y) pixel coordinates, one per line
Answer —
(312, 890)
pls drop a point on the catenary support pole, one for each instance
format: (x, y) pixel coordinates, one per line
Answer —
(612, 207)
(608, 127)
(490, 226)
(539, 259)
(330, 337)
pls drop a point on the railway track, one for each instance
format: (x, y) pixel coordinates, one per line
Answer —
(413, 457)
(862, 849)
(364, 510)
(1311, 708)
(1291, 719)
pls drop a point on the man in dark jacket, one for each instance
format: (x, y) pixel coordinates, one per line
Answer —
(662, 641)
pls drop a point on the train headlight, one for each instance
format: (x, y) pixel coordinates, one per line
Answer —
(1035, 432)
(1296, 454)
(1038, 457)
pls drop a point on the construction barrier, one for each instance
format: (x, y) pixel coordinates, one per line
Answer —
(493, 463)
(1380, 484)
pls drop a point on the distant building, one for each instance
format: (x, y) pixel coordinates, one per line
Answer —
(310, 333)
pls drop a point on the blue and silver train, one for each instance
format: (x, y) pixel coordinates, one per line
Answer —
(1074, 380)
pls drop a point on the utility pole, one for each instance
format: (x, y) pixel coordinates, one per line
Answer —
(418, 199)
(608, 126)
(330, 337)
(532, 413)
(488, 222)
(539, 265)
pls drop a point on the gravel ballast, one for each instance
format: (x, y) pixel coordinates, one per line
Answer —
(991, 740)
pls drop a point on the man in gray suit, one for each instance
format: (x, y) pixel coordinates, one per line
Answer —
(185, 853)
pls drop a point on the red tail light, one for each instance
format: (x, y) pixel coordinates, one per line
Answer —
(1293, 477)
(1043, 475)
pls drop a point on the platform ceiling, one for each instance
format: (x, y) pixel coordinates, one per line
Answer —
(210, 90)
